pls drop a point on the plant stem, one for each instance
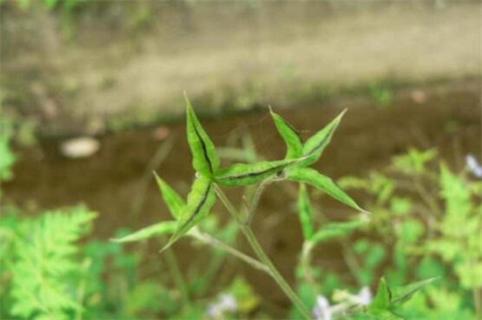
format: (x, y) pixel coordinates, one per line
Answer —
(212, 270)
(208, 239)
(177, 275)
(274, 272)
(263, 257)
(305, 263)
(255, 201)
(351, 261)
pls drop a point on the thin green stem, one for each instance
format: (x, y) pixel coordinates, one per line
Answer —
(255, 201)
(208, 239)
(263, 257)
(177, 275)
(212, 270)
(305, 263)
(351, 261)
(274, 272)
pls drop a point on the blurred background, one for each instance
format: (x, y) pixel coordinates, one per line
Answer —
(92, 99)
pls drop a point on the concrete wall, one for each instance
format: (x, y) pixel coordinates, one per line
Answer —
(97, 71)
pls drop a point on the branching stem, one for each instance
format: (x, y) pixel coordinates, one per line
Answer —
(208, 239)
(263, 257)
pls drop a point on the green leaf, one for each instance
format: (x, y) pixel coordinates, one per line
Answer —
(387, 299)
(199, 202)
(204, 157)
(456, 193)
(293, 141)
(323, 183)
(305, 210)
(315, 145)
(414, 162)
(382, 298)
(337, 230)
(403, 294)
(246, 298)
(43, 284)
(173, 200)
(158, 229)
(251, 173)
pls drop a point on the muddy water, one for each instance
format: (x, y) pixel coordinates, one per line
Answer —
(113, 181)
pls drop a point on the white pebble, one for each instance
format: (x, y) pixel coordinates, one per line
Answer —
(81, 147)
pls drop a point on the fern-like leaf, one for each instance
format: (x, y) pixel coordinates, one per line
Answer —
(44, 270)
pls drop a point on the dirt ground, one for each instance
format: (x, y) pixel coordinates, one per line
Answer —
(117, 181)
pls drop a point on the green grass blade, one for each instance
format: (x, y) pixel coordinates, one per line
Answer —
(323, 183)
(155, 230)
(251, 173)
(205, 160)
(173, 200)
(200, 201)
(291, 138)
(305, 211)
(315, 145)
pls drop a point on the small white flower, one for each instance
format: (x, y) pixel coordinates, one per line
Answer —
(214, 312)
(322, 310)
(364, 297)
(226, 302)
(474, 165)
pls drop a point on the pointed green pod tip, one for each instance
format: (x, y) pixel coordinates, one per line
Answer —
(294, 144)
(189, 107)
(323, 183)
(173, 200)
(314, 146)
(158, 229)
(343, 113)
(205, 159)
(200, 201)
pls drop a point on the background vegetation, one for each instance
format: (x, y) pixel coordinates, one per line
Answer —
(383, 222)
(408, 237)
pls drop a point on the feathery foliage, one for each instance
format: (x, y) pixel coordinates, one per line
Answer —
(46, 264)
